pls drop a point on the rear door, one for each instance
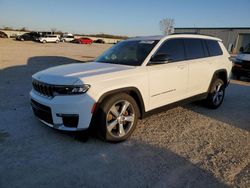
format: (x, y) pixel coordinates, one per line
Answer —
(168, 82)
(199, 66)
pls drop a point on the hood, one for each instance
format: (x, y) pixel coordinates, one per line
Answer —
(244, 57)
(71, 73)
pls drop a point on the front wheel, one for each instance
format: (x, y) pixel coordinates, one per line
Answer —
(44, 41)
(117, 118)
(216, 94)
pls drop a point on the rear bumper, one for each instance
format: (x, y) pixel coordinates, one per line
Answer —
(68, 113)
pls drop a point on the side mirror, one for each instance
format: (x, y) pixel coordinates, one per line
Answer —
(241, 50)
(161, 58)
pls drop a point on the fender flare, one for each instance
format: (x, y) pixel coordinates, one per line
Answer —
(132, 91)
(216, 75)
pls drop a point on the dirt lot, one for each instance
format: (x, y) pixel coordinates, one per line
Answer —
(188, 146)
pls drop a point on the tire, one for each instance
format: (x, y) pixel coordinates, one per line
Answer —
(216, 94)
(44, 41)
(57, 41)
(111, 124)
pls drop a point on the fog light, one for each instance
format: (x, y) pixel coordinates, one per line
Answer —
(69, 120)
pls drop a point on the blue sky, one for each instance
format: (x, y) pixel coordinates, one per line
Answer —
(126, 17)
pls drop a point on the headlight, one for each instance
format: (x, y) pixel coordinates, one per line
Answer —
(70, 90)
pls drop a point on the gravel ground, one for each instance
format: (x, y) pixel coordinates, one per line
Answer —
(188, 146)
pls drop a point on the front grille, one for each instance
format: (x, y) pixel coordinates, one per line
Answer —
(42, 88)
(42, 112)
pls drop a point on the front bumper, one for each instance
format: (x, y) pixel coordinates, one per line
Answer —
(52, 111)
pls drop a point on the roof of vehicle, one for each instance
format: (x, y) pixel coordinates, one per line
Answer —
(156, 37)
(49, 36)
(85, 38)
(175, 35)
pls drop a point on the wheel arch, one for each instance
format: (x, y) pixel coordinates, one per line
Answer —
(221, 74)
(132, 91)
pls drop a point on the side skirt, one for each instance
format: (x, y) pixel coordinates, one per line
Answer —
(175, 104)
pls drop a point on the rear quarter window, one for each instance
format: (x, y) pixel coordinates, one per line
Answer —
(213, 48)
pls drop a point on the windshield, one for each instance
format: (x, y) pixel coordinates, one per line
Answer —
(128, 52)
(247, 49)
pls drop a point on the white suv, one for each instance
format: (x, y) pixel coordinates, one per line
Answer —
(130, 80)
(49, 38)
(67, 38)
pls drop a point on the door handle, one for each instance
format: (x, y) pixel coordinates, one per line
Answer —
(181, 66)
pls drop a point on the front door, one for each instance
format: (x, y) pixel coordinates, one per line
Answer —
(168, 82)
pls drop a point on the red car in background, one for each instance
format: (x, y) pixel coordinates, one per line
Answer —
(83, 41)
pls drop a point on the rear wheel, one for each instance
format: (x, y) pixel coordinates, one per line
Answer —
(57, 41)
(44, 41)
(117, 118)
(216, 94)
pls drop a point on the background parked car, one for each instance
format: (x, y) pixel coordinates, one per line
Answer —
(24, 37)
(28, 36)
(242, 63)
(83, 41)
(3, 35)
(67, 38)
(42, 34)
(49, 38)
(99, 41)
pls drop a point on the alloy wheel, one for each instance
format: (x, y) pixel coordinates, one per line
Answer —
(218, 94)
(120, 119)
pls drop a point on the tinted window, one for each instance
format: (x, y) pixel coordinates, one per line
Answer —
(213, 48)
(194, 48)
(174, 48)
(128, 52)
(205, 48)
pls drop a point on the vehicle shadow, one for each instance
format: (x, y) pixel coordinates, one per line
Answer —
(234, 110)
(47, 162)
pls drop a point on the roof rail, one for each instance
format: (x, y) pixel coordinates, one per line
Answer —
(191, 33)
